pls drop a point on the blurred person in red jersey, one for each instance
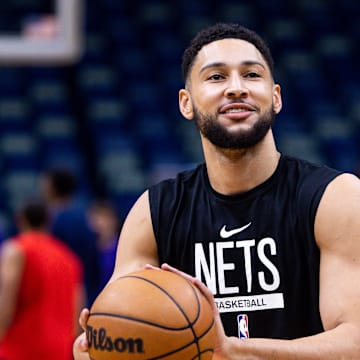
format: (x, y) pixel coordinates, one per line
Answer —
(41, 291)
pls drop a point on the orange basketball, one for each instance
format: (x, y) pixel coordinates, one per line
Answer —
(151, 314)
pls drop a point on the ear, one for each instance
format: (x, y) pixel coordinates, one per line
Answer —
(185, 104)
(277, 101)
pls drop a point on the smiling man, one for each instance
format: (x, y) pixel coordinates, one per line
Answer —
(268, 234)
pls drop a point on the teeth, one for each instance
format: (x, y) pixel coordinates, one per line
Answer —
(235, 110)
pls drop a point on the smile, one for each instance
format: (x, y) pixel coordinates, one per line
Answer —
(236, 108)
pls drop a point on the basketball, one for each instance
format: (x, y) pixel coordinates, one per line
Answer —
(151, 314)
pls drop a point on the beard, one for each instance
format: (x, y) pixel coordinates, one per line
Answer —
(218, 135)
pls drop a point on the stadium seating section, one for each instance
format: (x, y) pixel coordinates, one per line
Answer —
(113, 117)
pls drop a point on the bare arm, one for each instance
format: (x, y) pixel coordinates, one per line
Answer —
(137, 245)
(338, 236)
(11, 268)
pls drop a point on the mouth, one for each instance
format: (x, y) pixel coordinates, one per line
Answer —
(235, 108)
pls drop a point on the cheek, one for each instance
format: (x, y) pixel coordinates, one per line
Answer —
(207, 98)
(260, 89)
(264, 96)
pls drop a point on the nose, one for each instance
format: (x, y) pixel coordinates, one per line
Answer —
(235, 88)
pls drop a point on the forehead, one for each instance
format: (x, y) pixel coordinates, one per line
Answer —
(228, 51)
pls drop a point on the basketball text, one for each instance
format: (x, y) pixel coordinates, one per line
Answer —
(99, 340)
(214, 267)
(257, 280)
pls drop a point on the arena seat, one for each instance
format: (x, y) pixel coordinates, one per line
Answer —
(113, 117)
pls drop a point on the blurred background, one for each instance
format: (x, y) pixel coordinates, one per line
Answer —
(92, 86)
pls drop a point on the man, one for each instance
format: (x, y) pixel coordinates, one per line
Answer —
(69, 223)
(275, 239)
(40, 291)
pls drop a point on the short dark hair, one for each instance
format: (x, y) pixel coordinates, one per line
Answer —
(221, 31)
(35, 213)
(63, 181)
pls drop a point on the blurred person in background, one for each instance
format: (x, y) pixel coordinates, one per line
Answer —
(70, 224)
(41, 291)
(106, 223)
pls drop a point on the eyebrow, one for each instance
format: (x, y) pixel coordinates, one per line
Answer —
(222, 64)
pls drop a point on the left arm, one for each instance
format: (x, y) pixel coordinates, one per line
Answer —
(11, 269)
(337, 231)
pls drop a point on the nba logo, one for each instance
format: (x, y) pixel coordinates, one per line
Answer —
(243, 326)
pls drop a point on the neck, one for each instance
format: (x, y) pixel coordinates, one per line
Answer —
(60, 201)
(235, 171)
(30, 229)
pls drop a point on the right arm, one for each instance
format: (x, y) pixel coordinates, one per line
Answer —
(136, 248)
(12, 262)
(137, 245)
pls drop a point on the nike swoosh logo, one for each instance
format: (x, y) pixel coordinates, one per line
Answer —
(228, 233)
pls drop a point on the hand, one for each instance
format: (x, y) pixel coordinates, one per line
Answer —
(80, 347)
(221, 339)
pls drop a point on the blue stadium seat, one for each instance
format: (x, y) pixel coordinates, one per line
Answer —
(114, 115)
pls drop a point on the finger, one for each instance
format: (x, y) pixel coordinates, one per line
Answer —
(84, 316)
(177, 271)
(80, 346)
(151, 267)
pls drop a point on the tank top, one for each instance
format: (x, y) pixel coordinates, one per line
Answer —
(43, 324)
(255, 250)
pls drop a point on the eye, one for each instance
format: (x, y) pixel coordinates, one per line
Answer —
(215, 77)
(252, 74)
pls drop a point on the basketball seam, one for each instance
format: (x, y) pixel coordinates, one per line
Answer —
(190, 324)
(138, 320)
(172, 298)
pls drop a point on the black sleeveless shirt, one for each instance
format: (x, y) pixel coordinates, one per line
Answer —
(256, 250)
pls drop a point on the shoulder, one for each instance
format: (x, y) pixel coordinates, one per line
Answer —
(342, 190)
(338, 214)
(184, 178)
(139, 213)
(168, 194)
(11, 247)
(310, 178)
(306, 183)
(307, 169)
(11, 252)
